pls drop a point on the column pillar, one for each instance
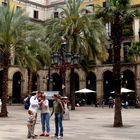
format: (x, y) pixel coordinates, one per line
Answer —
(99, 90)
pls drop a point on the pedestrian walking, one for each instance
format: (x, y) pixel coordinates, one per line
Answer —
(58, 111)
(103, 103)
(45, 116)
(110, 102)
(66, 115)
(30, 124)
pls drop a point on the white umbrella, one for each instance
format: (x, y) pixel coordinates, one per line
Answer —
(84, 90)
(124, 90)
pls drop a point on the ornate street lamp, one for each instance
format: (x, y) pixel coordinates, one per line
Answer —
(63, 60)
(48, 79)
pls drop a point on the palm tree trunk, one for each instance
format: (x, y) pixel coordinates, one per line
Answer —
(4, 112)
(116, 38)
(72, 90)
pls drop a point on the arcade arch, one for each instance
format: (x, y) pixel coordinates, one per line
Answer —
(16, 87)
(91, 84)
(128, 81)
(57, 82)
(108, 85)
(34, 82)
(1, 77)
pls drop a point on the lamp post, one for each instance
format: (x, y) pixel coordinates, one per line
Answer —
(63, 60)
(48, 79)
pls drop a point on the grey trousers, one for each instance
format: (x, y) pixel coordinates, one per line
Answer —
(30, 131)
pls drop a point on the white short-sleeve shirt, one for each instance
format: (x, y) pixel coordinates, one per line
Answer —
(34, 106)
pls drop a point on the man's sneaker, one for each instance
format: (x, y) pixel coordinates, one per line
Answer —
(60, 137)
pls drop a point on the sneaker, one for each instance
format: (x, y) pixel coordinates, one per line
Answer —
(60, 137)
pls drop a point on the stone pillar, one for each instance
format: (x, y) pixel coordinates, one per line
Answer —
(10, 87)
(137, 85)
(99, 89)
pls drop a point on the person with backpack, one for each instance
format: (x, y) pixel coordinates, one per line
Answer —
(27, 101)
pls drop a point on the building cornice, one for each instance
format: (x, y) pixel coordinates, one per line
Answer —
(136, 6)
(41, 5)
(54, 4)
(33, 3)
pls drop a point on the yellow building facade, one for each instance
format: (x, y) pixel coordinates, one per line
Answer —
(134, 2)
(13, 4)
(101, 2)
(98, 78)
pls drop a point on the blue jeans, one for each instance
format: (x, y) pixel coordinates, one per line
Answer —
(45, 121)
(58, 124)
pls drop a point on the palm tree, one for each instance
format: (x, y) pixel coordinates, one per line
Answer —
(36, 54)
(133, 53)
(24, 40)
(12, 35)
(117, 12)
(83, 34)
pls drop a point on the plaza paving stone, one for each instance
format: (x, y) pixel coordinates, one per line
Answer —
(86, 123)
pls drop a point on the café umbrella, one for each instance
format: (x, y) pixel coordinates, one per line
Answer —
(85, 90)
(124, 90)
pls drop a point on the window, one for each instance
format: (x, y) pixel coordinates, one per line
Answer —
(104, 4)
(125, 51)
(18, 8)
(110, 57)
(56, 15)
(4, 4)
(90, 8)
(36, 14)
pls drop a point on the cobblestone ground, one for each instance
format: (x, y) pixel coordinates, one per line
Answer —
(86, 123)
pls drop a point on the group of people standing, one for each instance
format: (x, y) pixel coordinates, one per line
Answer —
(40, 102)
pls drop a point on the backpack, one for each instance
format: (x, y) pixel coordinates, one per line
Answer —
(27, 102)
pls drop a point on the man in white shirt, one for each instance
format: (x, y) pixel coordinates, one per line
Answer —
(34, 104)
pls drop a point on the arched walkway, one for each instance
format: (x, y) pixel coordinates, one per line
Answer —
(16, 95)
(1, 77)
(76, 81)
(128, 81)
(91, 84)
(74, 84)
(108, 85)
(34, 82)
(56, 82)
